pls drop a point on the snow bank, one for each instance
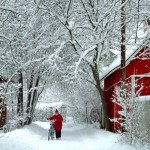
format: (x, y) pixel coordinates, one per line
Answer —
(79, 137)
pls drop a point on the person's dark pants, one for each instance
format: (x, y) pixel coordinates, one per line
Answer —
(58, 134)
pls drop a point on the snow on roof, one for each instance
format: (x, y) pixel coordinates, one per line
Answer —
(131, 50)
(116, 52)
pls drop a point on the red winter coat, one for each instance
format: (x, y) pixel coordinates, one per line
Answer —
(57, 121)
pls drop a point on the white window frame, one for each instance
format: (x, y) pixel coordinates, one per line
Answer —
(133, 82)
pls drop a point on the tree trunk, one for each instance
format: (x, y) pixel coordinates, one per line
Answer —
(35, 97)
(30, 93)
(123, 58)
(20, 95)
(28, 119)
(101, 92)
(123, 47)
(33, 100)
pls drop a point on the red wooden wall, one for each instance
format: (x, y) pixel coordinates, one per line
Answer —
(137, 66)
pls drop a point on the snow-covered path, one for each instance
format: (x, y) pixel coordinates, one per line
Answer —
(34, 137)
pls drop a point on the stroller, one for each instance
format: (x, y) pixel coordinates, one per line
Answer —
(51, 131)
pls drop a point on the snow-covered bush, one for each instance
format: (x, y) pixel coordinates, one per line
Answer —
(134, 118)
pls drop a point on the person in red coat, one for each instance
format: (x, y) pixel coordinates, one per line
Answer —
(58, 119)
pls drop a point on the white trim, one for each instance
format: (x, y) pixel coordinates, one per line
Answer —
(141, 75)
(142, 98)
(133, 87)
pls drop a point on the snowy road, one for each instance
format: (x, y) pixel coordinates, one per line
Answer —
(34, 137)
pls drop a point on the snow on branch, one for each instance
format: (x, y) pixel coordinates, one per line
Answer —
(2, 36)
(58, 50)
(82, 57)
(9, 9)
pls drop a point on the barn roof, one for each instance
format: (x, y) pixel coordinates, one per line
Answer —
(131, 50)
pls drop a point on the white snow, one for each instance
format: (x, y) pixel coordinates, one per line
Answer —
(75, 137)
(116, 52)
(53, 104)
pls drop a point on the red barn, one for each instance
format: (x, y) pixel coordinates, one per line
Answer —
(137, 73)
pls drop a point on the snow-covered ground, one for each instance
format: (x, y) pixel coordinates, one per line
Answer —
(81, 137)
